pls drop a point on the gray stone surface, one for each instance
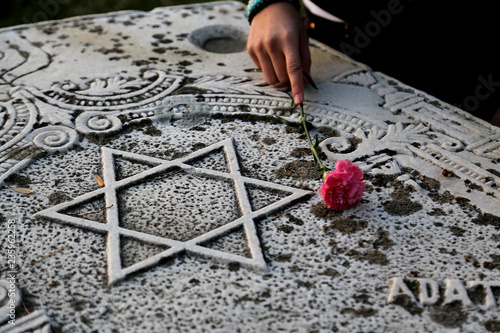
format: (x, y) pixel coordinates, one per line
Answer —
(208, 216)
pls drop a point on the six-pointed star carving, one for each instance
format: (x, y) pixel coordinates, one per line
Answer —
(113, 230)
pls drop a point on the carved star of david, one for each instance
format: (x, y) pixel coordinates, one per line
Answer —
(113, 230)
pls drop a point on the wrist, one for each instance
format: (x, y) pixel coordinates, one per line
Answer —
(255, 6)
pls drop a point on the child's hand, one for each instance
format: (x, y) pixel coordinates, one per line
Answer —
(279, 45)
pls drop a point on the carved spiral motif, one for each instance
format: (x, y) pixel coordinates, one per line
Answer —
(453, 145)
(54, 138)
(336, 145)
(92, 123)
(101, 123)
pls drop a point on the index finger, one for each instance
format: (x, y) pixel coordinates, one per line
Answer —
(294, 69)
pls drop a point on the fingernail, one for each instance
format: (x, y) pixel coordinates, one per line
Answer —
(298, 99)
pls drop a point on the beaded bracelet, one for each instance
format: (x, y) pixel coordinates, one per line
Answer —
(255, 6)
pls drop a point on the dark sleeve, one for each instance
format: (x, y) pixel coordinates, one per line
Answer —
(354, 12)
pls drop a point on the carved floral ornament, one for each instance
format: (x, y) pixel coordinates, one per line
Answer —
(100, 106)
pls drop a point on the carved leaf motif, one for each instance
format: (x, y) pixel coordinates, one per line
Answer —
(408, 134)
(397, 137)
(111, 86)
(49, 114)
(238, 85)
(373, 133)
(54, 116)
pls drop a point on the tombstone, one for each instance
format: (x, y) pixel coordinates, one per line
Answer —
(149, 185)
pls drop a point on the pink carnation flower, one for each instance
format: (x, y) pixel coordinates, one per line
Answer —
(343, 187)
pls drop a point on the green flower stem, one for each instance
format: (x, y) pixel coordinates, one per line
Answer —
(317, 160)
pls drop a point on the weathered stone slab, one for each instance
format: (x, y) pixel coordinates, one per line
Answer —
(148, 186)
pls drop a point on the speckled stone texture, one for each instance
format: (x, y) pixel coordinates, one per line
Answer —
(204, 215)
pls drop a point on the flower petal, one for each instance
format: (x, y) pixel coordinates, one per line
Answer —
(343, 187)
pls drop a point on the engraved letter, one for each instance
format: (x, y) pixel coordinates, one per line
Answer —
(490, 298)
(455, 291)
(429, 291)
(398, 288)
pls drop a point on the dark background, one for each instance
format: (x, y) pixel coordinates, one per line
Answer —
(16, 12)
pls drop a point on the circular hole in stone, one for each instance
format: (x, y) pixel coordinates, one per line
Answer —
(219, 39)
